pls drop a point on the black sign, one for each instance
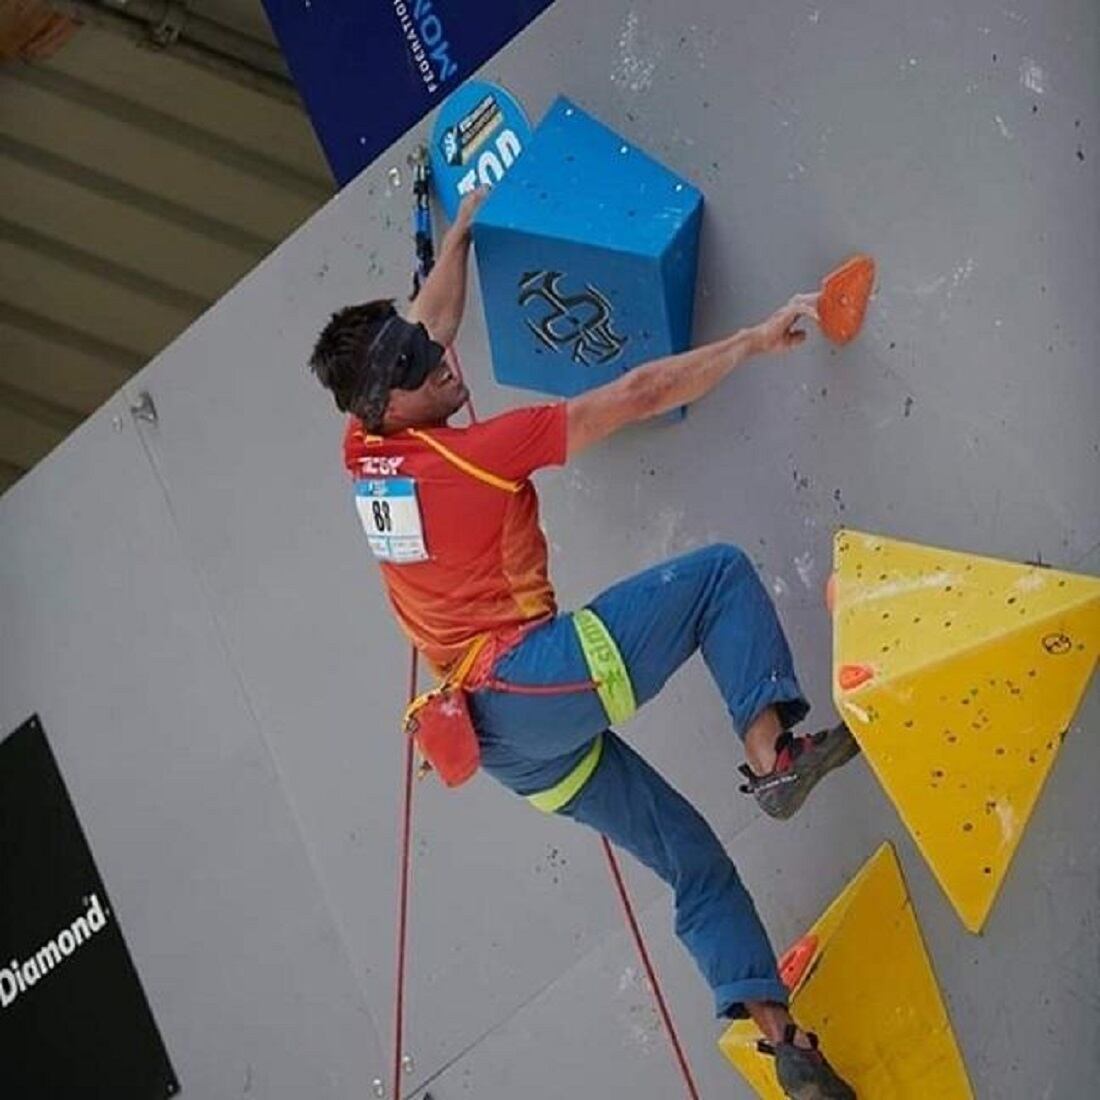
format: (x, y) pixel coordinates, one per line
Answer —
(74, 1021)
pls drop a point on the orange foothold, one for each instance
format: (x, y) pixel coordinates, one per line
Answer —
(796, 960)
(830, 594)
(852, 676)
(844, 296)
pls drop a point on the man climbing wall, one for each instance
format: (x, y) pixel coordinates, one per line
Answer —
(453, 518)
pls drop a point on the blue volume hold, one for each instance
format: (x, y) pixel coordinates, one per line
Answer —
(587, 252)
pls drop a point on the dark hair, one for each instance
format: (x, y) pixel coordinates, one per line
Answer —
(337, 354)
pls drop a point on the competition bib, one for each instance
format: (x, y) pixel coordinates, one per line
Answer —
(390, 513)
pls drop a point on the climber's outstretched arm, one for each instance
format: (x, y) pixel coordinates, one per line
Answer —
(676, 380)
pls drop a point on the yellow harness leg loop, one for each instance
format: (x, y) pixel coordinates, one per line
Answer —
(605, 665)
(554, 798)
(612, 679)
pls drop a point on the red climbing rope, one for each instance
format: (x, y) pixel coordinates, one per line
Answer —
(651, 972)
(403, 895)
(456, 366)
(425, 261)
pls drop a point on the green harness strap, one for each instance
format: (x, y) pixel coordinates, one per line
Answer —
(605, 666)
(560, 794)
(613, 686)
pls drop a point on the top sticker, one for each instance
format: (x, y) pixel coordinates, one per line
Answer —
(479, 132)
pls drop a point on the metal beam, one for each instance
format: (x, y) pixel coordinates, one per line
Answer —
(11, 471)
(200, 40)
(48, 328)
(9, 475)
(34, 408)
(171, 21)
(174, 129)
(103, 269)
(121, 191)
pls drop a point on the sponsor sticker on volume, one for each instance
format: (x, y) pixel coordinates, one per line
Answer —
(479, 133)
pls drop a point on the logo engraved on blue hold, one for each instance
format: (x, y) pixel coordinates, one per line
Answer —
(580, 322)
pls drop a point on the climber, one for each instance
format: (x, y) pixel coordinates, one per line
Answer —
(454, 520)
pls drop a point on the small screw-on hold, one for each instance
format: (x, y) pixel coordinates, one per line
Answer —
(407, 1063)
(623, 149)
(377, 1087)
(116, 423)
(144, 408)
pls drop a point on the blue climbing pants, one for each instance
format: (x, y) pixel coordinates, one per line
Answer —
(709, 600)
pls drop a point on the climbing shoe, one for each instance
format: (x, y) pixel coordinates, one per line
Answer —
(803, 1072)
(800, 763)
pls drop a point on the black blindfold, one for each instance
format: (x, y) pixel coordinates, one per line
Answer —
(401, 356)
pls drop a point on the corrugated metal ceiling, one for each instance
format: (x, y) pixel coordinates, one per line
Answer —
(137, 185)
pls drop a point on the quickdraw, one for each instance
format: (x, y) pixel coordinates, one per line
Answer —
(422, 218)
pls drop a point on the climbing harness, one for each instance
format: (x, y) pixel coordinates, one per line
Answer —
(606, 666)
(439, 721)
(563, 792)
(611, 682)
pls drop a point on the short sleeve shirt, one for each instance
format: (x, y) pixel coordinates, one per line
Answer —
(486, 569)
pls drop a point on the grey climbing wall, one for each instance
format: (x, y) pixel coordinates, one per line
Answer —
(190, 607)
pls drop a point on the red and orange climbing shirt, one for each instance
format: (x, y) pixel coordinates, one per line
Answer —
(453, 519)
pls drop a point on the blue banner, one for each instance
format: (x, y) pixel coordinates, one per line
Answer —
(370, 69)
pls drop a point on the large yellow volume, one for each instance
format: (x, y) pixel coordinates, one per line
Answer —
(959, 676)
(871, 995)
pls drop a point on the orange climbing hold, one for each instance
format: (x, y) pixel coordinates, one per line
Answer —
(796, 960)
(844, 295)
(852, 676)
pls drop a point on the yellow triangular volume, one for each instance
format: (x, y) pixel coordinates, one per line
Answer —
(959, 676)
(871, 995)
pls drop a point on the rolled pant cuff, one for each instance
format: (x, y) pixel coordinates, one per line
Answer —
(730, 998)
(782, 693)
